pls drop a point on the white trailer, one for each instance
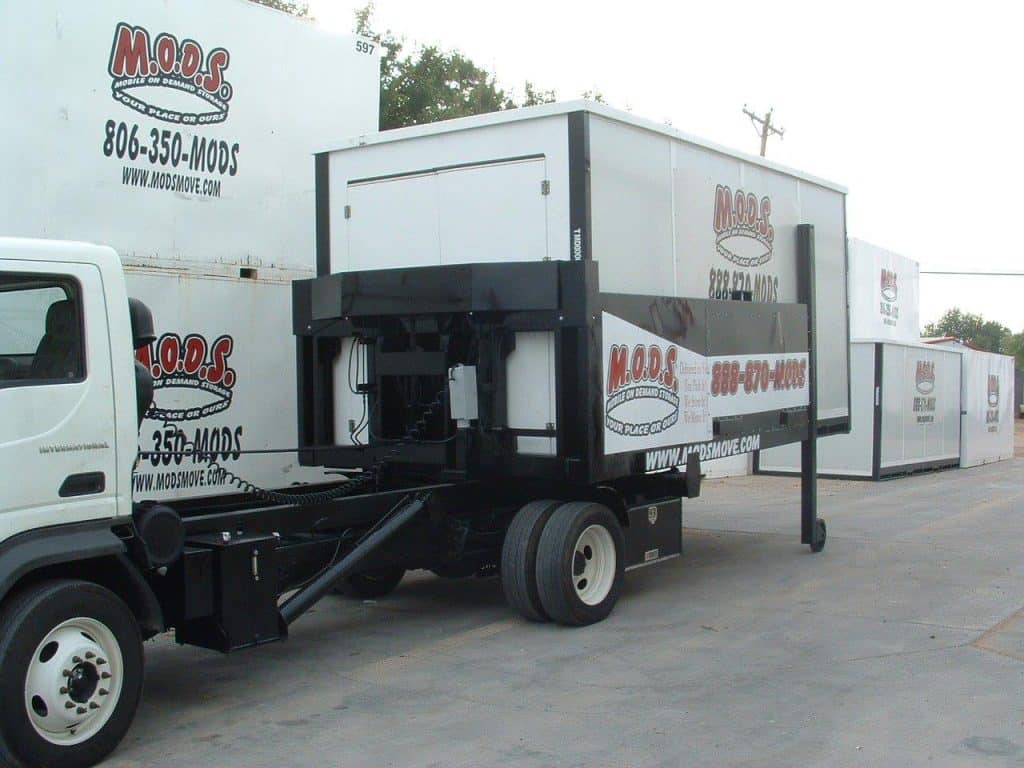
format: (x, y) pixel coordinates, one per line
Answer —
(660, 212)
(181, 135)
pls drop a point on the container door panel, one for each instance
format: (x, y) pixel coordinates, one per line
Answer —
(493, 213)
(393, 223)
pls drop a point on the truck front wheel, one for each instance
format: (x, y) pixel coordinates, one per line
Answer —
(71, 661)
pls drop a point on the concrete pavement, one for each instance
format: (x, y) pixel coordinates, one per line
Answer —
(902, 644)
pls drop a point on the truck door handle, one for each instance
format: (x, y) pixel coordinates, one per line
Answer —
(83, 484)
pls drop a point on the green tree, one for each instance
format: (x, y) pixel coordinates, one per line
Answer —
(300, 9)
(973, 329)
(1013, 344)
(430, 83)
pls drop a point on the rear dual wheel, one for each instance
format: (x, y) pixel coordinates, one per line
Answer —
(563, 562)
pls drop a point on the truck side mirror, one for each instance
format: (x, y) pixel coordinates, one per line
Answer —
(142, 336)
(142, 324)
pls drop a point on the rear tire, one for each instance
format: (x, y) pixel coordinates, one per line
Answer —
(376, 583)
(580, 563)
(519, 559)
(72, 661)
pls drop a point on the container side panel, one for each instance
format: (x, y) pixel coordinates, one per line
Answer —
(824, 209)
(110, 147)
(920, 405)
(631, 208)
(843, 455)
(470, 171)
(884, 291)
(221, 368)
(735, 228)
(988, 385)
(735, 236)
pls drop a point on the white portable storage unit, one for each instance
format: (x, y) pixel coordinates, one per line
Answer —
(181, 133)
(906, 406)
(986, 431)
(887, 436)
(662, 214)
(884, 294)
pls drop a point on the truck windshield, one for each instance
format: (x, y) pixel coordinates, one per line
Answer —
(40, 330)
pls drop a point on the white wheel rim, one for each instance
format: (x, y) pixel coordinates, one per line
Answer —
(593, 564)
(74, 681)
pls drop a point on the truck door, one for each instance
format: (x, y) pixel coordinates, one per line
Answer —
(57, 419)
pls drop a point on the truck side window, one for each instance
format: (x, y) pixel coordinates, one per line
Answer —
(40, 330)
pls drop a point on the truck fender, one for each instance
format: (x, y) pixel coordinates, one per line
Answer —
(88, 550)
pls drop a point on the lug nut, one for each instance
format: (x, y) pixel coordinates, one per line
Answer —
(93, 705)
(66, 673)
(69, 705)
(81, 710)
(63, 690)
(104, 691)
(76, 659)
(100, 661)
(90, 655)
(105, 675)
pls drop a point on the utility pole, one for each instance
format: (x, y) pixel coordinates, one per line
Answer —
(763, 126)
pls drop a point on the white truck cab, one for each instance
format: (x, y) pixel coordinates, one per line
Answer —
(73, 607)
(68, 432)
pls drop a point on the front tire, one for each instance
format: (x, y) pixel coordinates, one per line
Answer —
(72, 657)
(580, 563)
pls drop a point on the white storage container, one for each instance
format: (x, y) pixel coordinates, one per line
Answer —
(884, 294)
(662, 213)
(905, 407)
(986, 431)
(181, 133)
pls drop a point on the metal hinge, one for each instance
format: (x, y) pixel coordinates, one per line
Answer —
(348, 211)
(545, 187)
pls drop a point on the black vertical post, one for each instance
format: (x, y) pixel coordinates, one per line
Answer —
(876, 424)
(321, 182)
(809, 526)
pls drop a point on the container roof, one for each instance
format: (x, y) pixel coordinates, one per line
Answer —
(563, 108)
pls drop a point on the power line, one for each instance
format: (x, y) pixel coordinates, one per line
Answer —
(766, 128)
(971, 274)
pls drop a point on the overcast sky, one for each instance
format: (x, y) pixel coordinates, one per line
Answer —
(915, 107)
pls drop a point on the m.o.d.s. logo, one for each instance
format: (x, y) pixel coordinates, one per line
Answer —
(743, 230)
(167, 79)
(992, 414)
(643, 378)
(887, 307)
(192, 372)
(924, 378)
(890, 290)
